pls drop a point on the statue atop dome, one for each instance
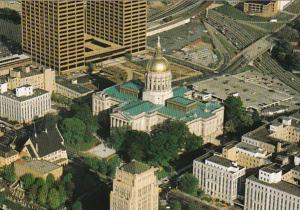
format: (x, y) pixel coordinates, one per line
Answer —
(158, 63)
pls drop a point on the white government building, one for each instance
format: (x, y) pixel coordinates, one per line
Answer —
(273, 188)
(23, 104)
(142, 106)
(219, 177)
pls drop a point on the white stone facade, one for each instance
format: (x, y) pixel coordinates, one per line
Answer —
(217, 179)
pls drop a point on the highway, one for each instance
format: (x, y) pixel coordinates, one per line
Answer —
(177, 9)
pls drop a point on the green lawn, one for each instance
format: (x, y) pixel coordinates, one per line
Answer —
(227, 44)
(294, 7)
(270, 27)
(247, 68)
(235, 13)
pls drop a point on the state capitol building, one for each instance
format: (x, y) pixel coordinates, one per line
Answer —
(142, 106)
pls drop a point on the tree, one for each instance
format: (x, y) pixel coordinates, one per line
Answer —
(233, 107)
(188, 184)
(84, 113)
(50, 180)
(104, 124)
(112, 165)
(136, 143)
(62, 194)
(51, 120)
(193, 206)
(43, 194)
(117, 137)
(193, 142)
(73, 130)
(176, 205)
(39, 182)
(288, 33)
(77, 206)
(2, 197)
(9, 173)
(27, 180)
(53, 198)
(67, 178)
(33, 193)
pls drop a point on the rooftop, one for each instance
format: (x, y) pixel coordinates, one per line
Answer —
(282, 186)
(273, 168)
(249, 147)
(181, 100)
(133, 85)
(221, 161)
(41, 166)
(135, 167)
(48, 142)
(37, 92)
(75, 87)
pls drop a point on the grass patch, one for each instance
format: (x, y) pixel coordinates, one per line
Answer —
(270, 27)
(227, 44)
(294, 7)
(247, 68)
(237, 14)
(14, 206)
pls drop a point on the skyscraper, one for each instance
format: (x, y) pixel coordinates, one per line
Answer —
(53, 33)
(134, 187)
(122, 22)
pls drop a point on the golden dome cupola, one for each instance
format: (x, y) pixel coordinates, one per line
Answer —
(158, 63)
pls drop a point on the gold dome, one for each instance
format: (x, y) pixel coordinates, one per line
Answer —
(158, 63)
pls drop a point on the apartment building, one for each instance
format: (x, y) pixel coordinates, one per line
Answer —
(264, 8)
(24, 104)
(245, 154)
(135, 186)
(53, 33)
(219, 177)
(273, 188)
(122, 22)
(7, 155)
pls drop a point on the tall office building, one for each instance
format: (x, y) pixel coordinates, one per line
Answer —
(134, 187)
(53, 33)
(123, 22)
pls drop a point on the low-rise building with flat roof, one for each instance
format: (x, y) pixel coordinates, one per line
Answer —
(218, 177)
(71, 89)
(246, 155)
(13, 61)
(275, 136)
(7, 155)
(265, 8)
(24, 104)
(38, 77)
(38, 168)
(273, 188)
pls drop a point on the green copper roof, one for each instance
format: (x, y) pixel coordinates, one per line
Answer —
(134, 85)
(179, 91)
(137, 107)
(181, 100)
(115, 93)
(135, 167)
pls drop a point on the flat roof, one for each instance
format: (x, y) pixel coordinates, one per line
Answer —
(182, 100)
(282, 186)
(249, 147)
(95, 45)
(256, 90)
(36, 92)
(135, 167)
(9, 59)
(221, 161)
(75, 87)
(273, 168)
(41, 166)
